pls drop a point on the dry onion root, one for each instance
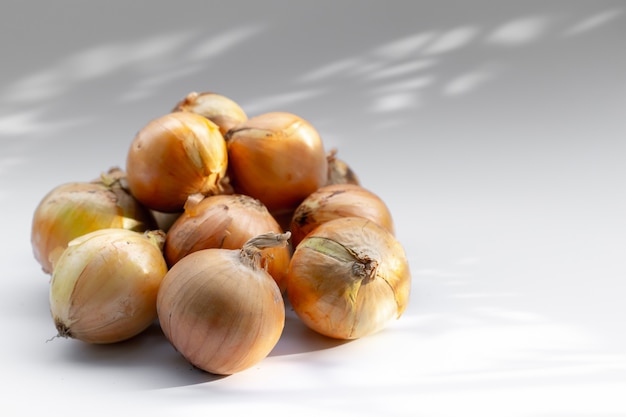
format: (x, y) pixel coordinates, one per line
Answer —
(225, 222)
(220, 309)
(174, 156)
(348, 278)
(74, 209)
(104, 285)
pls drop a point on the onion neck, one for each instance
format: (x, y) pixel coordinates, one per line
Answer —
(363, 267)
(251, 253)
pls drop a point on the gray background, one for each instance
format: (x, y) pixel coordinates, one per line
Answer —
(494, 130)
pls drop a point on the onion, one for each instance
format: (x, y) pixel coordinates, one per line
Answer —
(220, 309)
(74, 209)
(221, 110)
(339, 172)
(348, 278)
(174, 156)
(338, 200)
(277, 158)
(227, 222)
(104, 285)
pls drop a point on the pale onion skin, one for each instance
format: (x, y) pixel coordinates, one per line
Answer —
(226, 222)
(348, 278)
(104, 286)
(222, 313)
(174, 156)
(277, 158)
(335, 201)
(74, 209)
(219, 109)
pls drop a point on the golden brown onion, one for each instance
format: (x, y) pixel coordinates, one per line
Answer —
(348, 278)
(74, 209)
(104, 286)
(220, 309)
(338, 200)
(221, 110)
(227, 222)
(174, 156)
(277, 158)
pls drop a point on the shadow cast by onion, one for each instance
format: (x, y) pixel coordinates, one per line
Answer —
(298, 338)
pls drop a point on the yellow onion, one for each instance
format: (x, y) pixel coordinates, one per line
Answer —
(339, 172)
(74, 209)
(227, 222)
(174, 156)
(219, 109)
(338, 200)
(277, 158)
(105, 284)
(221, 309)
(348, 278)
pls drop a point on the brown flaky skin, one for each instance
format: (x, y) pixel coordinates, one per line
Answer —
(277, 158)
(348, 278)
(335, 201)
(174, 156)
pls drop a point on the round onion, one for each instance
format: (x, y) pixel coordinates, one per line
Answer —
(277, 158)
(227, 222)
(104, 285)
(220, 309)
(174, 156)
(74, 209)
(348, 278)
(335, 201)
(221, 110)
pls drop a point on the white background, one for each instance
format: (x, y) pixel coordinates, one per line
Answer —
(494, 130)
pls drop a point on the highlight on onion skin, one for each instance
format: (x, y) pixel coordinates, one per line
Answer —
(335, 201)
(219, 109)
(174, 156)
(220, 309)
(73, 209)
(104, 286)
(225, 222)
(277, 158)
(348, 278)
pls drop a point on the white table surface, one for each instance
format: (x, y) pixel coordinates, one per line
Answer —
(494, 130)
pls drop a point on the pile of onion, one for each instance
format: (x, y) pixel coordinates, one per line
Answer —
(217, 222)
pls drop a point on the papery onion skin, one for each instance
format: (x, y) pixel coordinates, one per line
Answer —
(221, 110)
(104, 286)
(348, 278)
(225, 222)
(73, 209)
(221, 313)
(335, 201)
(174, 156)
(277, 158)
